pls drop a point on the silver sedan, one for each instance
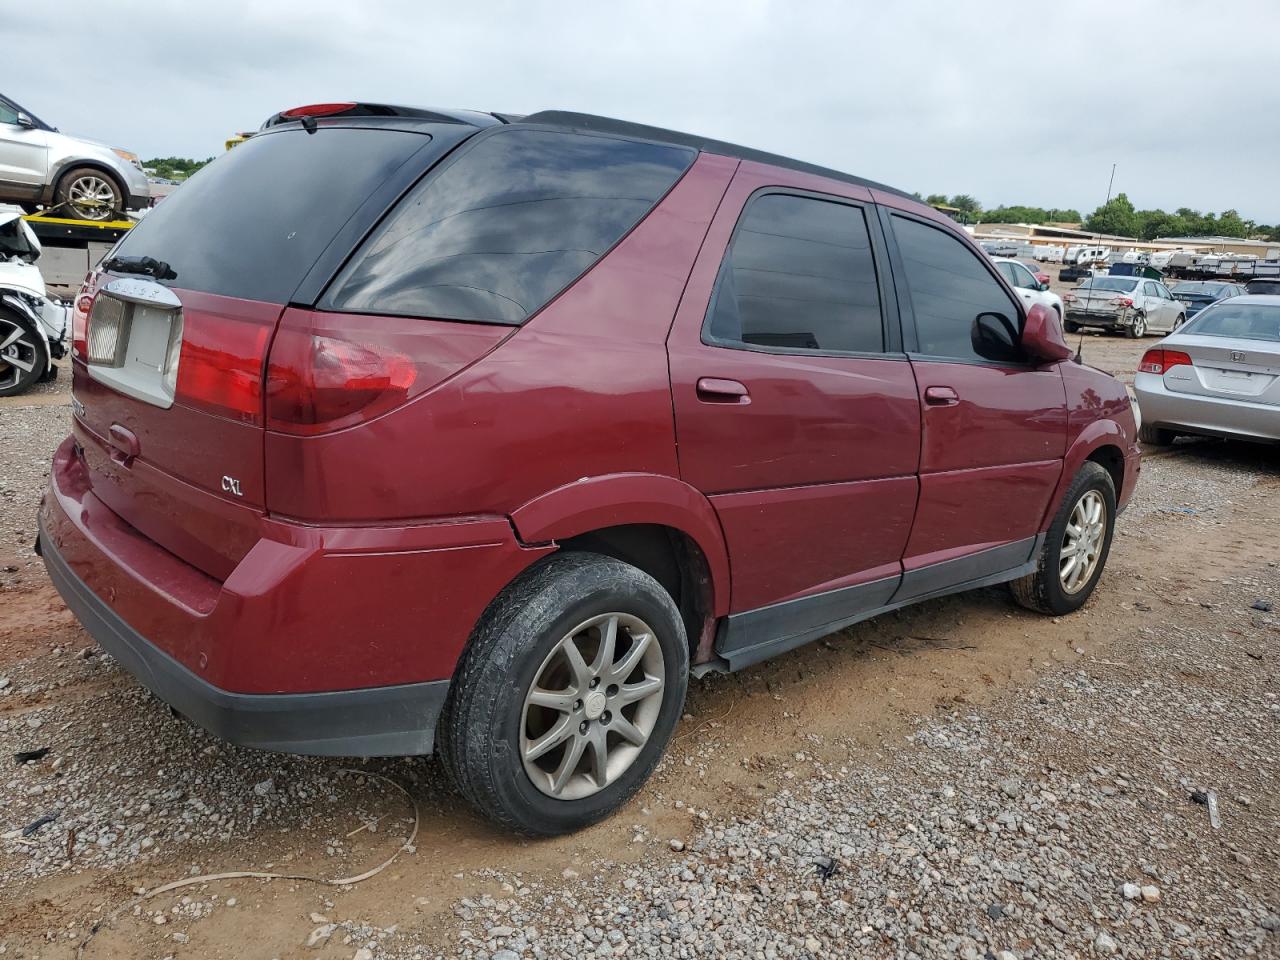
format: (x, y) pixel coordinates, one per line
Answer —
(1217, 376)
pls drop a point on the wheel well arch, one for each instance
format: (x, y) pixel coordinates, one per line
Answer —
(671, 557)
(1111, 458)
(71, 166)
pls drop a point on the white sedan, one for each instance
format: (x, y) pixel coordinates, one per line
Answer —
(1026, 286)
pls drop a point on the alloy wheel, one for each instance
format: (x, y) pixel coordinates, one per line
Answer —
(592, 706)
(1082, 542)
(92, 197)
(1139, 326)
(19, 353)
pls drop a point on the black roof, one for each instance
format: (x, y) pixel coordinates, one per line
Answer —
(568, 120)
(589, 122)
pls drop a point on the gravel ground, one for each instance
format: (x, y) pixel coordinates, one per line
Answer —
(1061, 823)
(1040, 802)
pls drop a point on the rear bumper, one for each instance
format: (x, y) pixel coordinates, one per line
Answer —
(1210, 416)
(337, 641)
(1108, 321)
(381, 721)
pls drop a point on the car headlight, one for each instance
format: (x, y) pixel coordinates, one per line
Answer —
(127, 156)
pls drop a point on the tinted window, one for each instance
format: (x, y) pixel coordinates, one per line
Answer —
(949, 289)
(1231, 318)
(252, 223)
(799, 275)
(514, 220)
(1006, 271)
(7, 113)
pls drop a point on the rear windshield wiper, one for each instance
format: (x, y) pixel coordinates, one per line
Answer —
(147, 266)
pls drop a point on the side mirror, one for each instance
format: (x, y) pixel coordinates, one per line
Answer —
(25, 121)
(1043, 287)
(1042, 336)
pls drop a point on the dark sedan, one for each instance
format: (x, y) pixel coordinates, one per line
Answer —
(1198, 294)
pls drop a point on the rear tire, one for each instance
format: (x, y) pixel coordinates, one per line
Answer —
(22, 358)
(1070, 326)
(86, 193)
(1156, 436)
(1138, 329)
(1050, 589)
(492, 726)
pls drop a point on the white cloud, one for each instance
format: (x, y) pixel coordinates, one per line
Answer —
(1009, 102)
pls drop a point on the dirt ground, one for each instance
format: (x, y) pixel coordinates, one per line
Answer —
(142, 797)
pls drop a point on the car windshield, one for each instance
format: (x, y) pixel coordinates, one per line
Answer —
(1244, 321)
(1113, 284)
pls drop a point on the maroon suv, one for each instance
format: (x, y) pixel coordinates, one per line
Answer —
(402, 429)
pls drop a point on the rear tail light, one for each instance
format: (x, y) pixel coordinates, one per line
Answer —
(330, 371)
(221, 366)
(80, 310)
(1069, 297)
(1124, 301)
(1159, 361)
(318, 383)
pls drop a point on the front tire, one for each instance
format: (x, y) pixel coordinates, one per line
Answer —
(86, 193)
(1075, 549)
(567, 694)
(22, 357)
(1070, 326)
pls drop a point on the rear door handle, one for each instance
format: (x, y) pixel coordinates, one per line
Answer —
(716, 390)
(941, 396)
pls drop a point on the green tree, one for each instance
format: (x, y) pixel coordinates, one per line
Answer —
(1117, 216)
(174, 168)
(936, 200)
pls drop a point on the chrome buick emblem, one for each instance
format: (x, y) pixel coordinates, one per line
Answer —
(1237, 356)
(231, 485)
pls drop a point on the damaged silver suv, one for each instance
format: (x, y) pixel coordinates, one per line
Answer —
(70, 177)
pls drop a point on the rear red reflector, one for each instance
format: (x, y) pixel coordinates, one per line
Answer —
(1160, 361)
(316, 110)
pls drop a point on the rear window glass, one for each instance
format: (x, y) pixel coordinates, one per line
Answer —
(1113, 284)
(513, 221)
(252, 223)
(1246, 321)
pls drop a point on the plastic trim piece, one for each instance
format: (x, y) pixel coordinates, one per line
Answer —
(754, 635)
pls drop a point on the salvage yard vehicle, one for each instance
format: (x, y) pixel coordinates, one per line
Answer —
(1030, 288)
(1131, 305)
(70, 176)
(1198, 294)
(625, 404)
(1218, 376)
(33, 326)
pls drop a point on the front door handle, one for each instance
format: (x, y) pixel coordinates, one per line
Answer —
(716, 390)
(941, 397)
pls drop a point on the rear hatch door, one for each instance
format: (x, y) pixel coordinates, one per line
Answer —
(169, 367)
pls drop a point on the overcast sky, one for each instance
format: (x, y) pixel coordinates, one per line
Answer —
(1011, 102)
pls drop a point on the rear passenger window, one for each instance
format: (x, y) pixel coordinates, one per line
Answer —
(799, 275)
(950, 290)
(508, 225)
